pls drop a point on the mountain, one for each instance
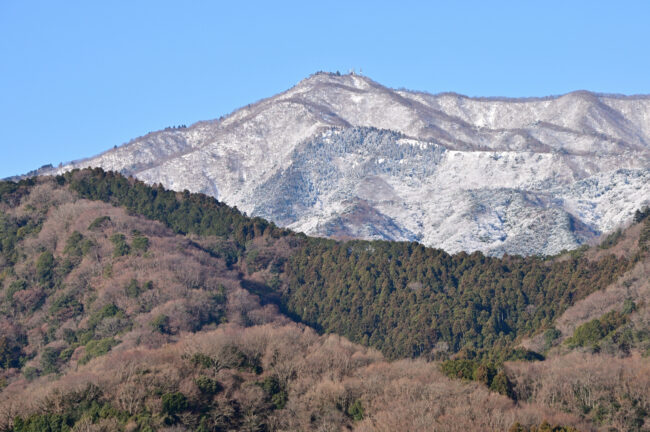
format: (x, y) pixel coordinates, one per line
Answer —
(345, 157)
(126, 307)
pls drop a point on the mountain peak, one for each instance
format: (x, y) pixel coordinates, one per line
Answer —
(352, 80)
(344, 154)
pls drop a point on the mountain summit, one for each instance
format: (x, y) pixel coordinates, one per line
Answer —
(343, 156)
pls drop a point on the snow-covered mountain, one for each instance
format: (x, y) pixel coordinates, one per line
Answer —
(343, 156)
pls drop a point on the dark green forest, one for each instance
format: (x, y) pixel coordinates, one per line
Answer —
(405, 299)
(183, 212)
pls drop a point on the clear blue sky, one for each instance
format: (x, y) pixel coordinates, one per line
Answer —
(79, 77)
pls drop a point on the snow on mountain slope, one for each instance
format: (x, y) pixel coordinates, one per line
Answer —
(343, 156)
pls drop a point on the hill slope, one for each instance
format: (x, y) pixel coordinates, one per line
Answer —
(114, 321)
(345, 157)
(111, 321)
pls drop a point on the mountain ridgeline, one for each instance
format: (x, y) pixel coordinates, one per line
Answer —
(345, 157)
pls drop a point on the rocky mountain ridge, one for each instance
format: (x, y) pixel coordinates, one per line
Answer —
(344, 156)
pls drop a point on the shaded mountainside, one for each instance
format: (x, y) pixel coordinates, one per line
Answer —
(128, 307)
(345, 157)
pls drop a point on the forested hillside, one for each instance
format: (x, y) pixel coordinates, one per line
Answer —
(402, 298)
(130, 307)
(408, 300)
